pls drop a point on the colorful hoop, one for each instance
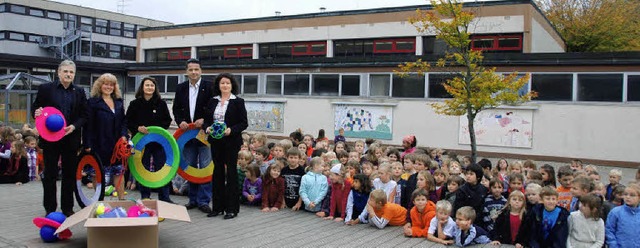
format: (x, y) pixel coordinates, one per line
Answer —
(163, 176)
(94, 161)
(186, 171)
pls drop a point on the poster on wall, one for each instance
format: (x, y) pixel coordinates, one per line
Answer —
(265, 116)
(364, 121)
(500, 127)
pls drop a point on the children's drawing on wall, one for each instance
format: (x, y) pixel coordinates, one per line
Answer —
(265, 116)
(500, 127)
(364, 121)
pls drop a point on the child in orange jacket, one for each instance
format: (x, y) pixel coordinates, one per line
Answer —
(421, 214)
(379, 213)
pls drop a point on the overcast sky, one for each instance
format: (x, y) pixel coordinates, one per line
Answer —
(191, 11)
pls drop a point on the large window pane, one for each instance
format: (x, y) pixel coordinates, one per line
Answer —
(379, 85)
(250, 84)
(600, 87)
(297, 84)
(36, 12)
(114, 51)
(350, 85)
(101, 26)
(552, 87)
(162, 81)
(128, 53)
(436, 87)
(633, 88)
(325, 84)
(410, 86)
(274, 84)
(172, 82)
(130, 85)
(18, 9)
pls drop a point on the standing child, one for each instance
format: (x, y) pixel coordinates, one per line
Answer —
(276, 152)
(385, 183)
(513, 223)
(466, 233)
(453, 184)
(314, 186)
(358, 197)
(32, 158)
(5, 147)
(244, 159)
(292, 174)
(421, 214)
(261, 154)
(408, 165)
(379, 213)
(252, 186)
(548, 175)
(493, 204)
(440, 177)
(367, 168)
(442, 226)
(17, 170)
(614, 180)
(532, 194)
(420, 163)
(502, 172)
(340, 190)
(272, 190)
(396, 176)
(516, 183)
(623, 221)
(549, 228)
(565, 176)
(580, 187)
(586, 227)
(472, 193)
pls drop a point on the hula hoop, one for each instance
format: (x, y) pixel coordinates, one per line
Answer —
(186, 171)
(94, 161)
(160, 177)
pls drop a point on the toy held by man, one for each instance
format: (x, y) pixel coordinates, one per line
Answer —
(217, 130)
(48, 226)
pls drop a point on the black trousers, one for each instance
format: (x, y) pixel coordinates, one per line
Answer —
(225, 193)
(67, 152)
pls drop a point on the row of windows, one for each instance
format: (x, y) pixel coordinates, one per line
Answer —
(87, 24)
(17, 36)
(105, 50)
(584, 87)
(342, 48)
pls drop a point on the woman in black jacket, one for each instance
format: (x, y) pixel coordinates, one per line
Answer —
(148, 109)
(228, 108)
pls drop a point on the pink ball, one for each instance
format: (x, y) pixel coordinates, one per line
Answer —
(134, 212)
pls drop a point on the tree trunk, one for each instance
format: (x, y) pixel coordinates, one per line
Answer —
(472, 135)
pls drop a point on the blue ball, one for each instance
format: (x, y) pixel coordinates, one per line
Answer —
(54, 122)
(217, 130)
(57, 217)
(47, 234)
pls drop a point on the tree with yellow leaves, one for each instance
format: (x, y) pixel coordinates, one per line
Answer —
(474, 87)
(595, 25)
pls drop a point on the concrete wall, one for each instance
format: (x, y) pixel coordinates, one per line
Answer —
(22, 48)
(542, 42)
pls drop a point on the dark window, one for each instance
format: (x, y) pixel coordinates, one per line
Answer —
(238, 51)
(85, 48)
(18, 9)
(552, 87)
(36, 12)
(35, 38)
(3, 8)
(283, 51)
(600, 87)
(101, 26)
(128, 53)
(267, 51)
(497, 42)
(114, 51)
(428, 44)
(325, 84)
(2, 36)
(162, 55)
(99, 49)
(86, 24)
(274, 84)
(162, 81)
(203, 53)
(633, 88)
(115, 28)
(179, 53)
(410, 86)
(209, 78)
(379, 85)
(17, 36)
(54, 15)
(436, 87)
(296, 84)
(402, 45)
(70, 21)
(350, 85)
(250, 84)
(150, 56)
(309, 48)
(172, 82)
(130, 85)
(129, 30)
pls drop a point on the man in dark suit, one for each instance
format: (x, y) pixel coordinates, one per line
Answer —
(72, 102)
(189, 106)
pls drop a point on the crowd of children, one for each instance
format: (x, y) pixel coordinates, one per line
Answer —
(19, 159)
(434, 195)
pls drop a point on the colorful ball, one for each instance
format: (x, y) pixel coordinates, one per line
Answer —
(57, 217)
(54, 122)
(47, 234)
(217, 130)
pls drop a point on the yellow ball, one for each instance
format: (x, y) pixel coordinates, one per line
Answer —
(100, 209)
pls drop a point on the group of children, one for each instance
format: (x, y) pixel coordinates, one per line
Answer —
(434, 196)
(19, 159)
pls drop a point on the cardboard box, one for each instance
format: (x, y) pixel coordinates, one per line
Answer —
(125, 232)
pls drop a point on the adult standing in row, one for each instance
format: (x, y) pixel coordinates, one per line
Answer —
(226, 107)
(106, 124)
(190, 106)
(72, 102)
(148, 109)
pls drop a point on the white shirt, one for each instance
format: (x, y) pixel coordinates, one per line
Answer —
(193, 97)
(388, 187)
(221, 108)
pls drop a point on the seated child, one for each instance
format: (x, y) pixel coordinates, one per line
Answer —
(244, 159)
(442, 226)
(272, 189)
(379, 213)
(549, 227)
(314, 186)
(466, 233)
(421, 214)
(252, 186)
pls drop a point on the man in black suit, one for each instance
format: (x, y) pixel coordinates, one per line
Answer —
(189, 106)
(72, 102)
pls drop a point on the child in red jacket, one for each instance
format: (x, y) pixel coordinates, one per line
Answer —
(421, 214)
(340, 189)
(272, 189)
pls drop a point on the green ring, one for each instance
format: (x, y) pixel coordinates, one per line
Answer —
(160, 177)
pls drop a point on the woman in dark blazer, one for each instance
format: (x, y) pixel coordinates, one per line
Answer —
(148, 109)
(106, 124)
(226, 107)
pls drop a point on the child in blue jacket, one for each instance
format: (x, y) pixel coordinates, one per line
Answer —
(314, 186)
(623, 221)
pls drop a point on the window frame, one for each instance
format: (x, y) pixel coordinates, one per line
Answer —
(239, 54)
(394, 44)
(309, 50)
(99, 28)
(180, 55)
(31, 10)
(16, 6)
(496, 41)
(50, 13)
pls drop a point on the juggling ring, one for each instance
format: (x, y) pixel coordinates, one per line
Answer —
(94, 161)
(186, 171)
(160, 177)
